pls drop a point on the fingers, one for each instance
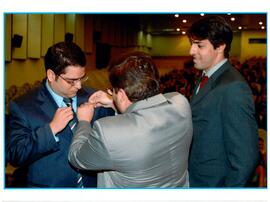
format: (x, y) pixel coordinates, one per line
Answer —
(85, 108)
(100, 98)
(65, 113)
(86, 105)
(95, 97)
(109, 91)
(61, 118)
(85, 112)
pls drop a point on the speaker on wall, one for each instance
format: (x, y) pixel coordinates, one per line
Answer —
(96, 36)
(17, 41)
(103, 53)
(68, 37)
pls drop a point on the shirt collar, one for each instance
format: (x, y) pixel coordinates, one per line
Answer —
(59, 99)
(215, 68)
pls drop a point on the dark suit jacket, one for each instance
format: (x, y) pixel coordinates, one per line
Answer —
(32, 144)
(224, 149)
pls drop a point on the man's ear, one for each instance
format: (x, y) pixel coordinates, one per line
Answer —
(123, 101)
(122, 95)
(50, 75)
(221, 48)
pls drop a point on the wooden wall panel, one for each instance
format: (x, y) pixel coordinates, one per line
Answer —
(19, 26)
(8, 37)
(59, 28)
(70, 24)
(88, 34)
(34, 36)
(47, 32)
(148, 38)
(79, 31)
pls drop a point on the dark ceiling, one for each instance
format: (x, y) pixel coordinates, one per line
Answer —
(166, 24)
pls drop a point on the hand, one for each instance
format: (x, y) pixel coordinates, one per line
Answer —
(101, 98)
(85, 112)
(61, 118)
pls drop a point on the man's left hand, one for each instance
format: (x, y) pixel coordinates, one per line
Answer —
(85, 112)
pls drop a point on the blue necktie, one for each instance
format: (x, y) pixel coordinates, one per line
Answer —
(72, 124)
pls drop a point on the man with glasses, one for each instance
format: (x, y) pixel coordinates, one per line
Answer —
(40, 129)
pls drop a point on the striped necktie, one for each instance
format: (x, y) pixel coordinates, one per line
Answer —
(72, 124)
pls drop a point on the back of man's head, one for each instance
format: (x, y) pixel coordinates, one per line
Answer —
(136, 74)
(64, 54)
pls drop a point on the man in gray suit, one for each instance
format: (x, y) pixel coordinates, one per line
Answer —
(147, 143)
(224, 149)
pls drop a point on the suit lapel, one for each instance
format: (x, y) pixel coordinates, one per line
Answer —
(202, 93)
(47, 103)
(210, 84)
(82, 97)
(49, 107)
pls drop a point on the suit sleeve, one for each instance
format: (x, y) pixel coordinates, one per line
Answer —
(240, 134)
(88, 150)
(25, 144)
(101, 112)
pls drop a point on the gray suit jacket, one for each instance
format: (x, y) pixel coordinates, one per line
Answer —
(224, 149)
(147, 146)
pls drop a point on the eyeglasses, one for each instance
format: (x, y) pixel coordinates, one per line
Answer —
(73, 82)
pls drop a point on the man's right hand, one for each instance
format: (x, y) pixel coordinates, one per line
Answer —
(61, 118)
(101, 98)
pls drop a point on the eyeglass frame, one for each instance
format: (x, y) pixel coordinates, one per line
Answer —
(73, 82)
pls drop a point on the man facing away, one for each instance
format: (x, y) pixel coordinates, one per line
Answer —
(40, 130)
(224, 149)
(147, 143)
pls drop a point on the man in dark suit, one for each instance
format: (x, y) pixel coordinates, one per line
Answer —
(224, 149)
(40, 133)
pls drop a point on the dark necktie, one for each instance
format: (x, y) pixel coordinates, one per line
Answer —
(204, 79)
(72, 124)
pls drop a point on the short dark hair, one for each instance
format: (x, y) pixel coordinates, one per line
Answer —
(136, 74)
(215, 29)
(64, 54)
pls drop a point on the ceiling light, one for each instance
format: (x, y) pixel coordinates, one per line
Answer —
(168, 30)
(184, 21)
(202, 14)
(232, 19)
(176, 15)
(178, 29)
(260, 23)
(239, 27)
(262, 27)
(183, 32)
